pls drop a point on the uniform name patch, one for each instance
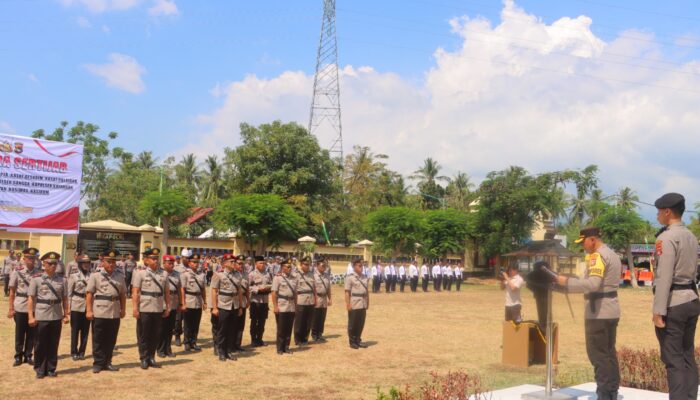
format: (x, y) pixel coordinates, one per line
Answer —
(659, 247)
(596, 266)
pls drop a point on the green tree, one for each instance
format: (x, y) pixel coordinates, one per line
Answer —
(168, 205)
(213, 188)
(262, 220)
(428, 176)
(96, 154)
(446, 232)
(145, 160)
(620, 225)
(395, 230)
(459, 191)
(585, 180)
(694, 225)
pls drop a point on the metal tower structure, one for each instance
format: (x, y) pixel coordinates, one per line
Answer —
(325, 103)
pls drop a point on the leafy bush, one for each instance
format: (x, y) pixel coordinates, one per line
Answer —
(451, 386)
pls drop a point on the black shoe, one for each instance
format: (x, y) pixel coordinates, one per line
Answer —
(74, 357)
(110, 368)
(216, 352)
(52, 374)
(96, 369)
(361, 345)
(18, 362)
(81, 356)
(170, 354)
(231, 357)
(29, 360)
(39, 375)
(177, 341)
(354, 346)
(144, 364)
(188, 348)
(280, 352)
(262, 343)
(196, 348)
(161, 355)
(222, 358)
(152, 362)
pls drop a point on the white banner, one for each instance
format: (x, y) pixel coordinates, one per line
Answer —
(39, 185)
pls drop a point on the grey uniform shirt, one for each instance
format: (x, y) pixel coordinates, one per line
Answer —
(305, 288)
(676, 261)
(603, 269)
(41, 292)
(153, 285)
(242, 280)
(77, 285)
(194, 284)
(174, 283)
(8, 265)
(20, 280)
(323, 287)
(112, 287)
(285, 286)
(228, 287)
(259, 281)
(129, 266)
(359, 295)
(72, 267)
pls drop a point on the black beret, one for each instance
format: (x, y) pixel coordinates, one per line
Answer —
(194, 257)
(286, 261)
(30, 252)
(110, 254)
(51, 257)
(670, 200)
(259, 258)
(587, 232)
(306, 259)
(153, 251)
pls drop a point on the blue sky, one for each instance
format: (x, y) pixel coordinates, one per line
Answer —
(174, 76)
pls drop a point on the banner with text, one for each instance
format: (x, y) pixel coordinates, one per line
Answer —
(39, 185)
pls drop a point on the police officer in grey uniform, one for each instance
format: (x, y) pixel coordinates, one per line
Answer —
(676, 306)
(241, 277)
(322, 283)
(260, 287)
(226, 299)
(47, 308)
(357, 304)
(150, 294)
(19, 287)
(79, 324)
(306, 299)
(599, 285)
(177, 304)
(105, 304)
(180, 267)
(72, 266)
(284, 296)
(194, 283)
(9, 264)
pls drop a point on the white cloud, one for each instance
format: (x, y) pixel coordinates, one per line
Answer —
(519, 92)
(163, 8)
(33, 78)
(105, 29)
(83, 22)
(100, 6)
(121, 72)
(5, 127)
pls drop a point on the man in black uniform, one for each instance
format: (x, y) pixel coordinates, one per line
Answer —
(676, 305)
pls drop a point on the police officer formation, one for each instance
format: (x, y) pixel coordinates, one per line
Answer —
(443, 275)
(168, 302)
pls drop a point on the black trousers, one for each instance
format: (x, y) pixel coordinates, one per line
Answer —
(677, 342)
(285, 321)
(177, 331)
(166, 333)
(192, 319)
(24, 335)
(258, 316)
(226, 331)
(414, 283)
(600, 346)
(436, 284)
(149, 324)
(79, 331)
(214, 328)
(240, 328)
(104, 338)
(302, 323)
(387, 284)
(513, 313)
(48, 335)
(402, 283)
(449, 283)
(127, 280)
(356, 323)
(458, 283)
(394, 278)
(6, 284)
(424, 283)
(318, 322)
(445, 281)
(376, 284)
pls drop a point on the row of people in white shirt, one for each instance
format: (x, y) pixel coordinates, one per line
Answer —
(455, 271)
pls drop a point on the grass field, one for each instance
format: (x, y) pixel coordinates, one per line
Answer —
(410, 335)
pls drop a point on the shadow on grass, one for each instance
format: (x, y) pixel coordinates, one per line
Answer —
(64, 356)
(370, 343)
(75, 370)
(162, 363)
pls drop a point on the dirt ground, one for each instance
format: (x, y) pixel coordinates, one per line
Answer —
(410, 335)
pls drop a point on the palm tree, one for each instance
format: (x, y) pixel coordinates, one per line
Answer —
(186, 171)
(459, 190)
(627, 198)
(213, 187)
(145, 160)
(585, 180)
(362, 169)
(428, 176)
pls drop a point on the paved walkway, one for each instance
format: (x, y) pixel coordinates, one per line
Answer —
(585, 391)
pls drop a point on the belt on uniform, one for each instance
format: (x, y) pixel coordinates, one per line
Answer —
(78, 294)
(677, 286)
(226, 294)
(151, 294)
(359, 294)
(109, 298)
(49, 302)
(193, 293)
(597, 296)
(285, 297)
(20, 295)
(304, 292)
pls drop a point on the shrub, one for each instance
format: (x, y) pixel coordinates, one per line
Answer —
(643, 369)
(451, 386)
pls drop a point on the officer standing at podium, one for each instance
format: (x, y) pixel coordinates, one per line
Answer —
(676, 306)
(599, 286)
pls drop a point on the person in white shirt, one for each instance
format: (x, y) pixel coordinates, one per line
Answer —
(512, 282)
(387, 278)
(349, 269)
(446, 277)
(376, 278)
(459, 275)
(425, 276)
(394, 276)
(437, 272)
(402, 276)
(413, 277)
